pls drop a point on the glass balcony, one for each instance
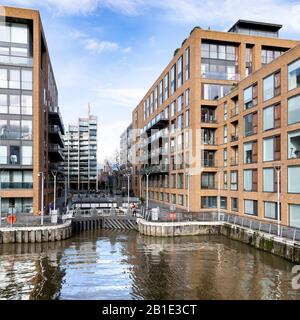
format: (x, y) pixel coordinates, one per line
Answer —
(5, 59)
(220, 75)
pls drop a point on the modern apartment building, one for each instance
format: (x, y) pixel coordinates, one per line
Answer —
(210, 111)
(31, 127)
(125, 147)
(80, 165)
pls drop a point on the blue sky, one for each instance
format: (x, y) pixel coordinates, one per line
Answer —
(109, 52)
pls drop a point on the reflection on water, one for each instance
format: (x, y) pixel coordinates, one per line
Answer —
(111, 264)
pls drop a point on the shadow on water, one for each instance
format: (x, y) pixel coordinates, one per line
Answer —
(112, 264)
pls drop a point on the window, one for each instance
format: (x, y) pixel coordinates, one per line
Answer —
(208, 180)
(3, 153)
(225, 157)
(187, 119)
(27, 155)
(187, 98)
(294, 144)
(14, 157)
(271, 117)
(225, 111)
(180, 103)
(268, 55)
(161, 97)
(250, 126)
(225, 184)
(173, 79)
(26, 130)
(173, 181)
(180, 122)
(225, 134)
(250, 96)
(294, 109)
(223, 203)
(173, 198)
(251, 207)
(271, 210)
(155, 98)
(180, 181)
(14, 104)
(187, 63)
(19, 33)
(26, 102)
(234, 180)
(250, 180)
(250, 152)
(145, 111)
(294, 179)
(294, 215)
(214, 91)
(3, 78)
(4, 33)
(234, 204)
(209, 202)
(179, 72)
(173, 109)
(268, 180)
(3, 103)
(271, 86)
(180, 199)
(294, 75)
(218, 61)
(14, 78)
(271, 148)
(166, 83)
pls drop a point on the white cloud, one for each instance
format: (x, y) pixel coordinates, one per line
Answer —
(97, 46)
(124, 97)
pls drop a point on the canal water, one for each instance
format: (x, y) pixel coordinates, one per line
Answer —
(111, 264)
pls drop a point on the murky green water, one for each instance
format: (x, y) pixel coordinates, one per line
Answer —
(109, 264)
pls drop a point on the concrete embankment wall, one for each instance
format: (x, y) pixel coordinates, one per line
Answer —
(283, 248)
(36, 234)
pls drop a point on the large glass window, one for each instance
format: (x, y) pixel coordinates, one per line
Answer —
(218, 61)
(271, 148)
(268, 147)
(248, 98)
(268, 180)
(294, 179)
(3, 78)
(271, 117)
(3, 153)
(19, 34)
(268, 87)
(250, 152)
(161, 93)
(208, 180)
(187, 63)
(234, 180)
(187, 98)
(173, 79)
(179, 72)
(294, 215)
(294, 75)
(27, 155)
(26, 129)
(14, 79)
(14, 104)
(250, 207)
(248, 180)
(209, 202)
(270, 210)
(294, 144)
(214, 91)
(268, 55)
(166, 89)
(26, 101)
(3, 103)
(250, 122)
(294, 109)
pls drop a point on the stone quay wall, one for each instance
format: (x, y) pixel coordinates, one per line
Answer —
(36, 234)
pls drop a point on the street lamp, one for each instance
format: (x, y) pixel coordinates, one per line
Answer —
(277, 168)
(41, 174)
(54, 173)
(189, 188)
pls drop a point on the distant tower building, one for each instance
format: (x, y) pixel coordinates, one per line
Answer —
(81, 154)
